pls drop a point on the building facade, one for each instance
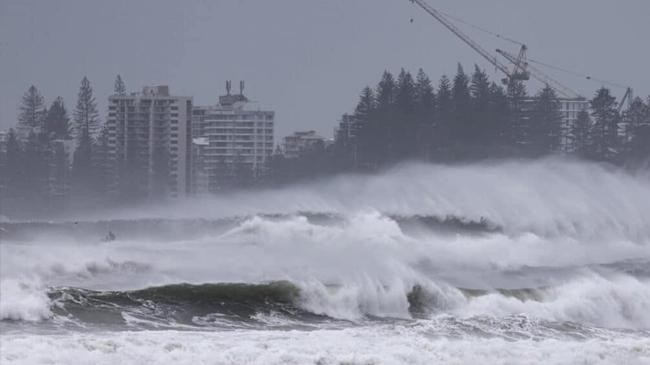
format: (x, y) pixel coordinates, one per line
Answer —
(3, 150)
(150, 141)
(3, 140)
(297, 143)
(569, 109)
(233, 142)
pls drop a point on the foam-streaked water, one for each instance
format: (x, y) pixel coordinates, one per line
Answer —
(510, 262)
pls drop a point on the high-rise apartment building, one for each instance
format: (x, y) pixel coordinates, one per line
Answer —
(236, 140)
(150, 141)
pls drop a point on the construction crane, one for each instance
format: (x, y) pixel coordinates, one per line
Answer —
(627, 97)
(543, 78)
(522, 70)
(519, 72)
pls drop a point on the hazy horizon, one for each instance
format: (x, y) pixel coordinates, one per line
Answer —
(306, 60)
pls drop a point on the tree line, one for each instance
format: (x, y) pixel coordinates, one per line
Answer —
(51, 157)
(470, 118)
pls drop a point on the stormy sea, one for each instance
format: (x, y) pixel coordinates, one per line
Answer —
(544, 262)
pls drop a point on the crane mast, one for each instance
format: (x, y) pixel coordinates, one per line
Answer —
(542, 77)
(629, 96)
(520, 73)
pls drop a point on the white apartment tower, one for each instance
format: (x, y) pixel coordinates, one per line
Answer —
(150, 136)
(569, 109)
(230, 136)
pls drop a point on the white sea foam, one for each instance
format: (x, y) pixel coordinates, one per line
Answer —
(548, 197)
(365, 266)
(24, 300)
(387, 345)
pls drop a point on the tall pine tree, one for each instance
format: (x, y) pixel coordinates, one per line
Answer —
(86, 116)
(461, 113)
(86, 120)
(604, 132)
(31, 113)
(497, 120)
(57, 122)
(13, 173)
(638, 148)
(404, 126)
(444, 121)
(425, 110)
(367, 130)
(545, 124)
(384, 143)
(477, 137)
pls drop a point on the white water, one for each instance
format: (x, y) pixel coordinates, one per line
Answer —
(572, 230)
(547, 197)
(389, 346)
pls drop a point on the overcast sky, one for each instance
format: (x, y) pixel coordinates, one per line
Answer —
(305, 59)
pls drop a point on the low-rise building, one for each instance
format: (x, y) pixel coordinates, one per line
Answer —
(299, 142)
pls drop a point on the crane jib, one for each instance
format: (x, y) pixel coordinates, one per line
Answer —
(522, 70)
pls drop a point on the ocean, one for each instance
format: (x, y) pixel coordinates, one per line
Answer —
(492, 263)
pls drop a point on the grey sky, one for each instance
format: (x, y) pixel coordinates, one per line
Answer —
(306, 59)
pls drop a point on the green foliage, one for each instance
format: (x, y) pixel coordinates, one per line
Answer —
(57, 121)
(604, 132)
(545, 124)
(31, 110)
(86, 116)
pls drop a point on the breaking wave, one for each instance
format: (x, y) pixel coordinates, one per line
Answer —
(548, 197)
(617, 302)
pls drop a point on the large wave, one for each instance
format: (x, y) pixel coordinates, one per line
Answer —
(547, 197)
(559, 241)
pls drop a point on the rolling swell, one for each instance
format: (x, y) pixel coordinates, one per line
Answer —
(181, 304)
(616, 302)
(230, 305)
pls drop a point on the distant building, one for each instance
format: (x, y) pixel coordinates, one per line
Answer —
(3, 149)
(347, 130)
(299, 142)
(200, 176)
(150, 141)
(236, 141)
(569, 108)
(60, 162)
(3, 140)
